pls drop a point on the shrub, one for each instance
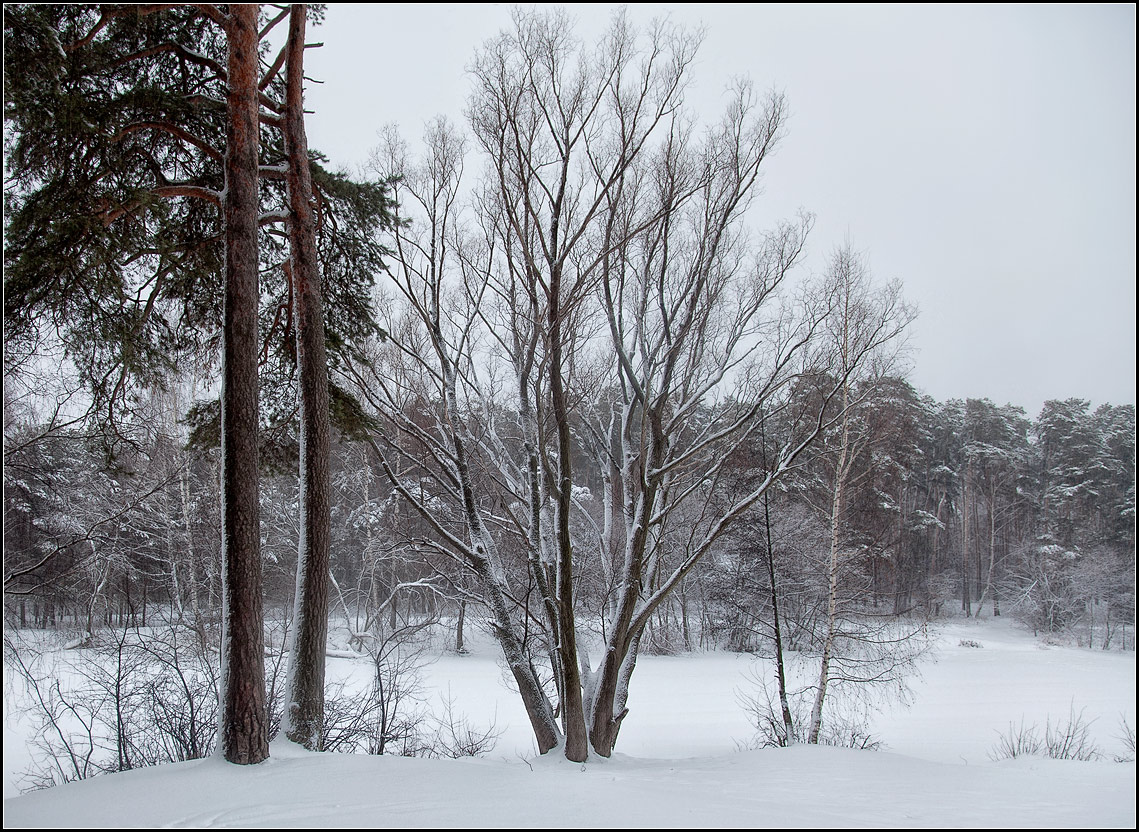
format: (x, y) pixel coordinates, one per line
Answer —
(1067, 740)
(844, 725)
(1126, 735)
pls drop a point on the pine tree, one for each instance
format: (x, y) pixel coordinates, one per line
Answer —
(133, 174)
(304, 709)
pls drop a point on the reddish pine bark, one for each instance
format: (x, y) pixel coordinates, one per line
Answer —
(305, 707)
(243, 730)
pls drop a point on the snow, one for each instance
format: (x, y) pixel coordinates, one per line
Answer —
(679, 764)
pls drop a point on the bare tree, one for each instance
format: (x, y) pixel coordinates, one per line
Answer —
(692, 309)
(564, 129)
(608, 270)
(434, 343)
(865, 338)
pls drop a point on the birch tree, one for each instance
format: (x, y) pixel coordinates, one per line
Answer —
(864, 340)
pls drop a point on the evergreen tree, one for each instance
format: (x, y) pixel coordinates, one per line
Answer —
(115, 118)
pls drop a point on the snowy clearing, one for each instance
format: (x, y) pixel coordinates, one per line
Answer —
(678, 764)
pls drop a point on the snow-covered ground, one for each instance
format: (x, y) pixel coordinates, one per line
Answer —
(679, 764)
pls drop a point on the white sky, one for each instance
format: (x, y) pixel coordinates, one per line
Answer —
(983, 155)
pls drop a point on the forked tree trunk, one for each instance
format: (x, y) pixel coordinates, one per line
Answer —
(611, 681)
(304, 713)
(244, 728)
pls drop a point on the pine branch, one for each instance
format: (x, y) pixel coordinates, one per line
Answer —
(173, 130)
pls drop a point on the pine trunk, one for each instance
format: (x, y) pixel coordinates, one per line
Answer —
(304, 716)
(244, 729)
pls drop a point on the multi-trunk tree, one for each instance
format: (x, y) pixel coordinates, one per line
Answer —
(593, 340)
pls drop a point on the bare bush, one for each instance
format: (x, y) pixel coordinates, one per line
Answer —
(451, 734)
(1065, 740)
(138, 697)
(391, 715)
(1022, 741)
(361, 722)
(846, 724)
(1071, 739)
(62, 743)
(132, 698)
(1126, 735)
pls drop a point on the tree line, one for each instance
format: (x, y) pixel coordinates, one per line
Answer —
(573, 393)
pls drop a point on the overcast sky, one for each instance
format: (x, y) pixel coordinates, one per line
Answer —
(983, 155)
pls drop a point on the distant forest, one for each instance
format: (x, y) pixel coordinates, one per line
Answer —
(960, 507)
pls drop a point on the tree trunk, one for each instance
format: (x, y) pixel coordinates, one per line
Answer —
(485, 563)
(304, 714)
(459, 628)
(195, 578)
(176, 605)
(393, 607)
(992, 558)
(836, 510)
(832, 572)
(573, 712)
(965, 603)
(686, 631)
(243, 730)
(777, 632)
(611, 687)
